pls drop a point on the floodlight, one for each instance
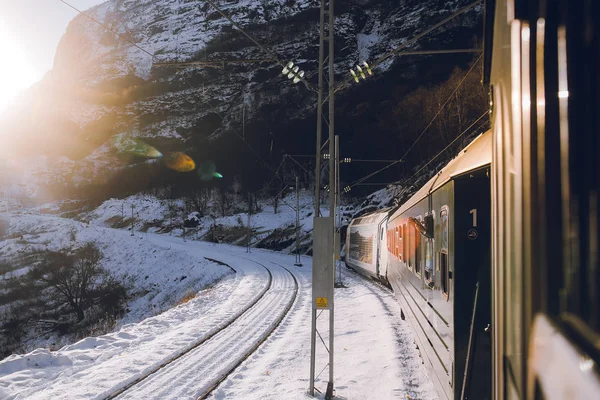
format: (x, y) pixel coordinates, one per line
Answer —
(298, 77)
(362, 74)
(293, 72)
(287, 68)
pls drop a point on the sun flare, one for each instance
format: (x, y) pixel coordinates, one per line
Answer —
(17, 72)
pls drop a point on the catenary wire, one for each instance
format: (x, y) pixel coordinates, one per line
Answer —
(444, 149)
(256, 42)
(359, 181)
(346, 82)
(108, 28)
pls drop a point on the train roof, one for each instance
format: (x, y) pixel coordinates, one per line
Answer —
(477, 154)
(374, 217)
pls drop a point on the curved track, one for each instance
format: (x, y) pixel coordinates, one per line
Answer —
(199, 370)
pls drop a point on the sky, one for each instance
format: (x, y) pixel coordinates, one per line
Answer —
(29, 33)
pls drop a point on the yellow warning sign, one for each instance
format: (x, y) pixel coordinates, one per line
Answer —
(321, 302)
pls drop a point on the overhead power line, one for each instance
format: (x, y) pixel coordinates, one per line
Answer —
(445, 148)
(256, 42)
(439, 111)
(213, 63)
(410, 42)
(359, 181)
(108, 28)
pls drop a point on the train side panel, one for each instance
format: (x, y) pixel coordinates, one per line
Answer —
(415, 273)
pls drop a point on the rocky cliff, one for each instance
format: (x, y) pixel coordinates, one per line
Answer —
(241, 116)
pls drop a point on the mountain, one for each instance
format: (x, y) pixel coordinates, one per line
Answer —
(67, 134)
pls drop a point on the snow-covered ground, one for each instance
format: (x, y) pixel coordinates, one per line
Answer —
(374, 352)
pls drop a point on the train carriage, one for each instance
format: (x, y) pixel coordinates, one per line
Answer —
(438, 265)
(365, 240)
(541, 64)
(495, 261)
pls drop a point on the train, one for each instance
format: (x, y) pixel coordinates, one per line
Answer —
(434, 252)
(496, 260)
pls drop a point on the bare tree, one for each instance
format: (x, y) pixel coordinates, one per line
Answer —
(74, 278)
(224, 201)
(201, 200)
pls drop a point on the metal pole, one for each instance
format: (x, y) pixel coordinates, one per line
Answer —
(249, 228)
(338, 221)
(313, 339)
(313, 334)
(298, 263)
(329, 393)
(319, 116)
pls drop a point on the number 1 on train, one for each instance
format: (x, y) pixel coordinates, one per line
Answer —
(474, 213)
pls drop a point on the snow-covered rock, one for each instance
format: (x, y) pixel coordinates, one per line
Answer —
(104, 84)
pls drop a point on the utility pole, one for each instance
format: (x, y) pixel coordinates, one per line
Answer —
(249, 227)
(323, 231)
(132, 219)
(298, 262)
(338, 223)
(185, 214)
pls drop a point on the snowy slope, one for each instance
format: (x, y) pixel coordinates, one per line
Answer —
(159, 275)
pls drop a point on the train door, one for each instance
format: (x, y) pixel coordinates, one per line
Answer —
(381, 249)
(471, 281)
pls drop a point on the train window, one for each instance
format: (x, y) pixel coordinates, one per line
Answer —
(396, 250)
(387, 241)
(400, 249)
(411, 246)
(444, 265)
(417, 248)
(444, 227)
(405, 245)
(444, 274)
(429, 261)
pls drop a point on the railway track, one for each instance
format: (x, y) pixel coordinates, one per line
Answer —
(197, 371)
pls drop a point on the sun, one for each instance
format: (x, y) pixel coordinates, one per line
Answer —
(16, 70)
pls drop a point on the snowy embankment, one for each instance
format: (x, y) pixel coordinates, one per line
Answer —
(375, 354)
(160, 275)
(153, 215)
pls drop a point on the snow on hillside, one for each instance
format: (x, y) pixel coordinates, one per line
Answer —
(160, 276)
(155, 215)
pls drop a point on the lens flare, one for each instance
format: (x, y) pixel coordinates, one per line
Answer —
(178, 161)
(207, 171)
